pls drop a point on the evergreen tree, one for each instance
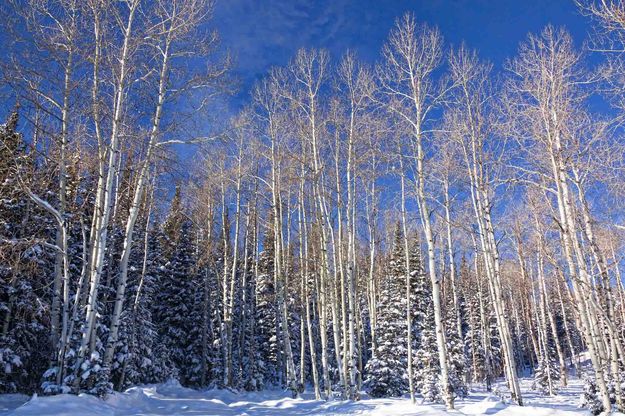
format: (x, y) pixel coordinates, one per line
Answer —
(141, 358)
(473, 340)
(266, 316)
(386, 370)
(172, 226)
(25, 265)
(548, 371)
(428, 369)
(176, 306)
(427, 366)
(590, 397)
(249, 379)
(457, 358)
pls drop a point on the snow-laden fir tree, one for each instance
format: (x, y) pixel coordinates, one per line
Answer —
(589, 398)
(249, 374)
(456, 352)
(141, 358)
(266, 323)
(473, 340)
(385, 372)
(426, 364)
(176, 306)
(495, 352)
(427, 374)
(25, 265)
(547, 373)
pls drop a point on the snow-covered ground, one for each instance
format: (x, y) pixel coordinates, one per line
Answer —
(172, 399)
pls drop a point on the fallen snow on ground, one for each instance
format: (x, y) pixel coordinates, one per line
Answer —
(172, 399)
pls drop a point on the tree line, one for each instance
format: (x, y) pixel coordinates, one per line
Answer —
(411, 226)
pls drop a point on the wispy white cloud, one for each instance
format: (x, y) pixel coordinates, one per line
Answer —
(264, 33)
(267, 33)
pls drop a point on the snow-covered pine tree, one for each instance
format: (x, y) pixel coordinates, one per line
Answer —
(456, 351)
(266, 316)
(547, 373)
(495, 352)
(473, 338)
(141, 358)
(172, 226)
(176, 306)
(385, 373)
(589, 399)
(293, 303)
(426, 367)
(428, 370)
(249, 378)
(25, 265)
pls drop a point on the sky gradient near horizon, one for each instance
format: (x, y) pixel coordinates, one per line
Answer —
(266, 33)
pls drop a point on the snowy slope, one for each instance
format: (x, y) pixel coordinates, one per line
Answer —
(172, 399)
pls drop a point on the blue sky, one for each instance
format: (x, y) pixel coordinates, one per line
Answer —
(264, 33)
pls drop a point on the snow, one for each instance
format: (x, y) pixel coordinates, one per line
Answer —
(172, 399)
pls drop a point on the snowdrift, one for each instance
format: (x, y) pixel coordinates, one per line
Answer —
(172, 399)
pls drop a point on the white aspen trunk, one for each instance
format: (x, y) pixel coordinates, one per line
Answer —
(473, 158)
(225, 274)
(102, 153)
(62, 256)
(327, 229)
(535, 306)
(351, 264)
(233, 274)
(321, 282)
(526, 279)
(527, 316)
(619, 281)
(565, 322)
(65, 277)
(404, 221)
(371, 283)
(341, 273)
(573, 253)
(416, 69)
(517, 326)
(543, 316)
(303, 241)
(481, 207)
(324, 220)
(99, 236)
(291, 377)
(302, 328)
(554, 331)
(450, 253)
(483, 317)
(436, 286)
(499, 304)
(206, 292)
(244, 284)
(144, 268)
(146, 241)
(135, 207)
(278, 246)
(615, 342)
(586, 317)
(60, 262)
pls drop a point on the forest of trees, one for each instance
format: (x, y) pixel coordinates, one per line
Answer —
(412, 226)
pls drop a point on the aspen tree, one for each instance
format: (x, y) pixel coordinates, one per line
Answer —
(411, 56)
